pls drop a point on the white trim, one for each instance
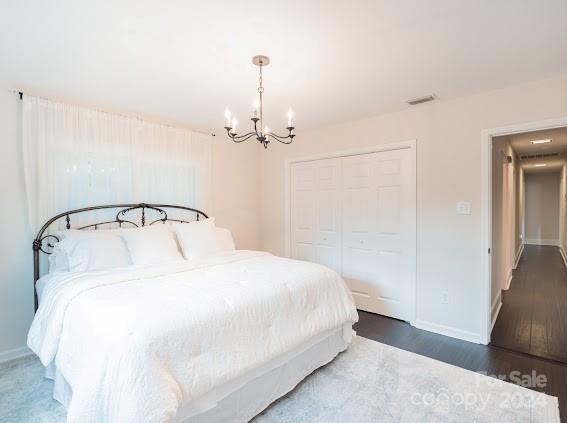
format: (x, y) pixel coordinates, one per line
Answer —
(518, 256)
(508, 280)
(10, 355)
(410, 144)
(355, 152)
(562, 250)
(495, 309)
(287, 235)
(448, 331)
(485, 207)
(542, 241)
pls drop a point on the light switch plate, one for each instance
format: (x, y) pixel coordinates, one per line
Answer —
(464, 207)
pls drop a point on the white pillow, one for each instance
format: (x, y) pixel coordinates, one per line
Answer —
(58, 261)
(225, 240)
(198, 238)
(151, 244)
(88, 250)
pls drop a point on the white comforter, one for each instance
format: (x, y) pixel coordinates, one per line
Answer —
(135, 344)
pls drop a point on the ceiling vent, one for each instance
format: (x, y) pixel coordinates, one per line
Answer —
(422, 100)
(538, 156)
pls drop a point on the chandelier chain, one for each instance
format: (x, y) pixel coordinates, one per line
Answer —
(260, 88)
(261, 91)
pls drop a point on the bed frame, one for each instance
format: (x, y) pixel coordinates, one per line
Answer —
(45, 242)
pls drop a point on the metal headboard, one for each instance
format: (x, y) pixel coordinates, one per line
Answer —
(42, 243)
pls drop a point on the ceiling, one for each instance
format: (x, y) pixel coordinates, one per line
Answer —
(331, 60)
(521, 144)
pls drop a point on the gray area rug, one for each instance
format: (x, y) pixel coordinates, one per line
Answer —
(370, 382)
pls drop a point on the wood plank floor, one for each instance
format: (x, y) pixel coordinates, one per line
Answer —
(533, 318)
(477, 358)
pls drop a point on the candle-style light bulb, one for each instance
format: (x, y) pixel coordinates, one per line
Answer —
(234, 122)
(227, 116)
(256, 107)
(290, 118)
(266, 130)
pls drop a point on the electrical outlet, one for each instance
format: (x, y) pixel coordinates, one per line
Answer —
(444, 297)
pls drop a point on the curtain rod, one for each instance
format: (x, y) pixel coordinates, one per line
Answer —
(21, 95)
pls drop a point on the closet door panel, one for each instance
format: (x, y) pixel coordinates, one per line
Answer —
(357, 224)
(303, 221)
(328, 234)
(388, 265)
(375, 225)
(388, 210)
(328, 213)
(316, 229)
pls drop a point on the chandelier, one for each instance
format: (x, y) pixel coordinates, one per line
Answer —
(261, 132)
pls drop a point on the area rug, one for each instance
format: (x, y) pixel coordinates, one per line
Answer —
(370, 382)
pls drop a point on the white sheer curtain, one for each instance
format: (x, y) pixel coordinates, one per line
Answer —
(78, 157)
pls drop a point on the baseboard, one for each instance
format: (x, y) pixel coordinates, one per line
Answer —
(508, 280)
(448, 331)
(495, 309)
(563, 255)
(542, 241)
(518, 256)
(13, 354)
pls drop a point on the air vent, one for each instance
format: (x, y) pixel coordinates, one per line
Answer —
(422, 100)
(538, 156)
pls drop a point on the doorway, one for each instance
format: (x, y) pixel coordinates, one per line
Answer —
(528, 275)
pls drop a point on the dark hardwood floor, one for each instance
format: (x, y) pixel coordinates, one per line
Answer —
(533, 318)
(477, 358)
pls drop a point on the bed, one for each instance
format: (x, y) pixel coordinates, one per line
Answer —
(218, 337)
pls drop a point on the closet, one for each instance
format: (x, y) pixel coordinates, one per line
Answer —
(356, 215)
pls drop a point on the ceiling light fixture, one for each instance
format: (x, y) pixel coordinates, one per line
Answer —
(540, 141)
(262, 134)
(541, 165)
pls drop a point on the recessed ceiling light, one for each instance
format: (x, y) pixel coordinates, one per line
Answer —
(541, 165)
(541, 141)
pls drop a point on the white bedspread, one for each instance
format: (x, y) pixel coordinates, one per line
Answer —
(135, 344)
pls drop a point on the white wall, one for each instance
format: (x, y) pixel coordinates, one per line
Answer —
(520, 208)
(504, 192)
(236, 190)
(542, 207)
(499, 148)
(16, 273)
(235, 198)
(448, 137)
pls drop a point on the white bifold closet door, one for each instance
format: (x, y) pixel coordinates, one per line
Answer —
(356, 214)
(315, 212)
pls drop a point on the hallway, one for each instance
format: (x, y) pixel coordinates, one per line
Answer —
(533, 318)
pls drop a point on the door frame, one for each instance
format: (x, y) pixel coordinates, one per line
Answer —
(486, 211)
(412, 146)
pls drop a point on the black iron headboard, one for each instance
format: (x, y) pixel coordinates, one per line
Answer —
(42, 243)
